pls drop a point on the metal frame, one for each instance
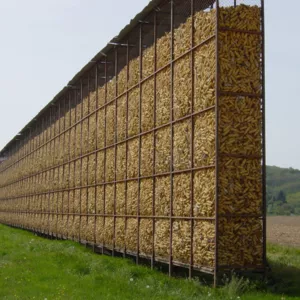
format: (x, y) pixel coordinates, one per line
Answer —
(172, 137)
(46, 139)
(217, 91)
(264, 208)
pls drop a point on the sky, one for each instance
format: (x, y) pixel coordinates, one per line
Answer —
(45, 43)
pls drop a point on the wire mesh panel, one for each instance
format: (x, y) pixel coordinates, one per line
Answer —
(157, 151)
(241, 136)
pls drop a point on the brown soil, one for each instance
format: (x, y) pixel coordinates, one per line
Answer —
(284, 230)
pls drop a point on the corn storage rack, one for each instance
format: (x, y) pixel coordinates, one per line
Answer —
(156, 148)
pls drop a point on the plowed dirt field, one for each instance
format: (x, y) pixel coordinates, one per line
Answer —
(284, 230)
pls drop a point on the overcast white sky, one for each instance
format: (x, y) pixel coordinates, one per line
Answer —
(45, 43)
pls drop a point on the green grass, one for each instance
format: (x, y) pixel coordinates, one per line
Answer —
(35, 268)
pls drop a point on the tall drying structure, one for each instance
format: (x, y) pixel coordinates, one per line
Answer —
(156, 148)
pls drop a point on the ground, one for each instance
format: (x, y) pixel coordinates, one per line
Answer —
(284, 230)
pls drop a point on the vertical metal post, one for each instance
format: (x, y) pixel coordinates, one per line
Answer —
(104, 166)
(25, 162)
(192, 143)
(234, 3)
(43, 174)
(32, 154)
(81, 137)
(62, 163)
(75, 143)
(115, 146)
(58, 175)
(48, 148)
(30, 198)
(75, 95)
(32, 178)
(96, 154)
(53, 142)
(54, 139)
(264, 136)
(140, 140)
(217, 88)
(39, 134)
(52, 164)
(16, 211)
(43, 155)
(88, 158)
(154, 139)
(172, 137)
(126, 137)
(37, 176)
(69, 164)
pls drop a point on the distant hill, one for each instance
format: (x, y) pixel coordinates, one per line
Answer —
(283, 191)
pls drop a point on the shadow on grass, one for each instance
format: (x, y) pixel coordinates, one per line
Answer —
(284, 279)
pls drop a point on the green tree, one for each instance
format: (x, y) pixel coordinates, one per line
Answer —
(281, 198)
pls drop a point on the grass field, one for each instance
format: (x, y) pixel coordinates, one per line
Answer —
(35, 268)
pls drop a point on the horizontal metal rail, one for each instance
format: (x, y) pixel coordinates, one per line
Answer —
(110, 215)
(229, 216)
(240, 94)
(239, 268)
(225, 29)
(238, 155)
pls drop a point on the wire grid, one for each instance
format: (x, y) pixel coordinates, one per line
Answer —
(256, 97)
(164, 19)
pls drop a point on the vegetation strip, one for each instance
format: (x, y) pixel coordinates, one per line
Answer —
(35, 268)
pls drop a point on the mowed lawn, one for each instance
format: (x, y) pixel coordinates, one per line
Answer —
(32, 267)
